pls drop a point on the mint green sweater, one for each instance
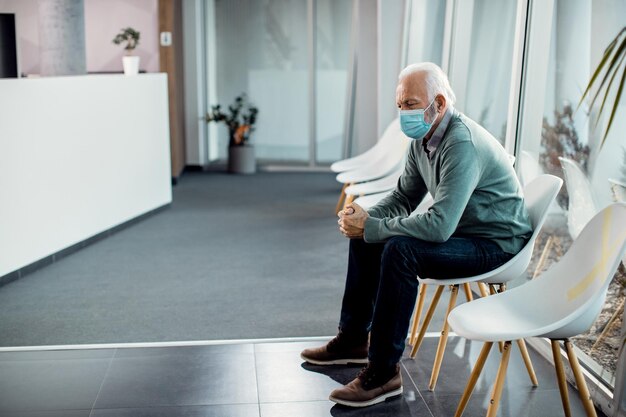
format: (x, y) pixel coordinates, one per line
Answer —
(474, 187)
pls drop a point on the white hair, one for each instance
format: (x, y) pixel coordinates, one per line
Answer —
(436, 80)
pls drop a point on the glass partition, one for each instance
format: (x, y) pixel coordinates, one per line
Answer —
(425, 33)
(262, 50)
(332, 49)
(485, 55)
(560, 138)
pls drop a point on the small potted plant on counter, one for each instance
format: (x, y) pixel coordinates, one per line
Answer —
(130, 62)
(240, 120)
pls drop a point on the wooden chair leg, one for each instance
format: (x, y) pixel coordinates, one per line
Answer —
(429, 316)
(544, 255)
(609, 324)
(443, 339)
(560, 377)
(482, 287)
(418, 313)
(529, 365)
(492, 410)
(580, 380)
(342, 197)
(471, 382)
(468, 292)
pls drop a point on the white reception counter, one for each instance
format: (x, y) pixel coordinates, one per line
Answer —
(78, 156)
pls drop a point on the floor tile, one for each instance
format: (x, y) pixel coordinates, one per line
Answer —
(396, 407)
(460, 357)
(289, 346)
(31, 385)
(285, 377)
(57, 354)
(179, 376)
(189, 351)
(546, 403)
(232, 410)
(54, 413)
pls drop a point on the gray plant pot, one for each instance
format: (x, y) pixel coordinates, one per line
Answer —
(241, 160)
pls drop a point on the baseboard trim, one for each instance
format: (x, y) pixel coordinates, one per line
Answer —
(52, 258)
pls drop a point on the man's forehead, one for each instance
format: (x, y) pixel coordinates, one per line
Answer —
(410, 86)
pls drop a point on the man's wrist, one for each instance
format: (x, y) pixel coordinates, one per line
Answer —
(371, 229)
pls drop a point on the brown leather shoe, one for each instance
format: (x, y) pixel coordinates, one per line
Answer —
(339, 351)
(370, 387)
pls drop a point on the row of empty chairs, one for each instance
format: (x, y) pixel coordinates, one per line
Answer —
(382, 164)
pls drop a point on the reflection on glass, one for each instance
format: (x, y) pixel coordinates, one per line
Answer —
(262, 50)
(332, 59)
(569, 147)
(490, 64)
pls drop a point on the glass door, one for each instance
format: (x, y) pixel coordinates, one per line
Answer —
(288, 57)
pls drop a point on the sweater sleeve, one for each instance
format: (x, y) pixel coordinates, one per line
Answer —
(408, 193)
(459, 176)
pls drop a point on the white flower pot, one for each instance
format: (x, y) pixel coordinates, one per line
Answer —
(241, 160)
(131, 65)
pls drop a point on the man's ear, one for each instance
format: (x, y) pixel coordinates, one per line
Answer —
(440, 102)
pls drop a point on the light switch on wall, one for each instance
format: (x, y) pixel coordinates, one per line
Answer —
(166, 38)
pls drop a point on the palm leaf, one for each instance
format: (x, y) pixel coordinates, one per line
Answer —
(615, 105)
(605, 56)
(611, 68)
(611, 63)
(606, 94)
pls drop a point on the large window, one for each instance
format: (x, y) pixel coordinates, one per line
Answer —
(425, 32)
(559, 138)
(481, 57)
(332, 41)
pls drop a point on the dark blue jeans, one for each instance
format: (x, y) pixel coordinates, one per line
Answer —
(381, 286)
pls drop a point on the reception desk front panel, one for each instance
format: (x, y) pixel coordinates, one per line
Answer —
(78, 156)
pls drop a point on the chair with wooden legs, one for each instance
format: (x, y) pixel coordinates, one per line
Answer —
(386, 163)
(539, 195)
(561, 303)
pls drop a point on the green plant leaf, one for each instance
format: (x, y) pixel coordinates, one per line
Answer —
(608, 87)
(605, 57)
(611, 68)
(615, 105)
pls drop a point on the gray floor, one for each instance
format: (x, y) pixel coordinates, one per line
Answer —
(233, 257)
(255, 379)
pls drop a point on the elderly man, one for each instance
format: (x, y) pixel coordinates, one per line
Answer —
(477, 222)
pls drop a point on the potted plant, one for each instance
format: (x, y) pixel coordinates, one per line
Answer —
(240, 121)
(130, 62)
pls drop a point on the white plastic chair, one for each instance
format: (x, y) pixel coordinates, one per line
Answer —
(538, 195)
(582, 205)
(529, 167)
(390, 161)
(386, 183)
(370, 200)
(373, 154)
(618, 189)
(561, 303)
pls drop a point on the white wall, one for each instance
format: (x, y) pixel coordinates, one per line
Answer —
(103, 20)
(78, 156)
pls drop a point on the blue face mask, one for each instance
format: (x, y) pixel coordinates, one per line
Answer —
(413, 124)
